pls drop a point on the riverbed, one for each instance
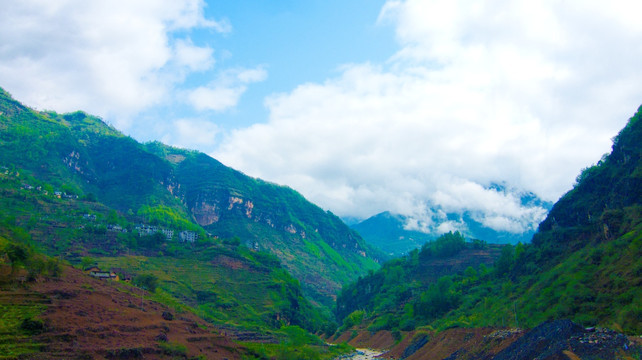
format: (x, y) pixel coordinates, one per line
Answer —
(362, 354)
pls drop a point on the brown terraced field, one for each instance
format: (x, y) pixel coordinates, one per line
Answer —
(78, 317)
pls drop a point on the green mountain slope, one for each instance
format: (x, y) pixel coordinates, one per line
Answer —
(80, 155)
(50, 310)
(584, 263)
(389, 295)
(218, 279)
(386, 232)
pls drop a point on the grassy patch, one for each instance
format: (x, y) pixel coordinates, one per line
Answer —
(18, 321)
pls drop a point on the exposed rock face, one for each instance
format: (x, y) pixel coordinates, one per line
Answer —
(551, 340)
(205, 214)
(233, 201)
(416, 345)
(248, 209)
(560, 338)
(73, 161)
(291, 229)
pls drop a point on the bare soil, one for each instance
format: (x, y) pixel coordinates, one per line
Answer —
(87, 318)
(552, 340)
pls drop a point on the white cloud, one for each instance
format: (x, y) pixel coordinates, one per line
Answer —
(195, 58)
(110, 58)
(526, 93)
(191, 133)
(248, 76)
(225, 92)
(215, 98)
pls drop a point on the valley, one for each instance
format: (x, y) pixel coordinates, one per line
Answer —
(202, 261)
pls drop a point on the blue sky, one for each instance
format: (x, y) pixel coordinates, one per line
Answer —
(299, 42)
(296, 42)
(411, 106)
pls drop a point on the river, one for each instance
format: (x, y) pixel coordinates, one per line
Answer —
(362, 354)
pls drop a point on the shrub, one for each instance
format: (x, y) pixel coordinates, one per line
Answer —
(355, 318)
(32, 327)
(407, 324)
(148, 282)
(172, 348)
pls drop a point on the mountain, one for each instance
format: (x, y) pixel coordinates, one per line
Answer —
(397, 234)
(214, 302)
(188, 235)
(79, 155)
(387, 232)
(392, 286)
(584, 264)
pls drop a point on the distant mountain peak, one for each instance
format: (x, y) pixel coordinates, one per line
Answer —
(398, 234)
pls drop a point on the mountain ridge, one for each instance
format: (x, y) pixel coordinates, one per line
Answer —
(397, 234)
(82, 155)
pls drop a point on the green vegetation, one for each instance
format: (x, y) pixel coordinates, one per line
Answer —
(276, 219)
(239, 289)
(449, 244)
(96, 170)
(174, 349)
(148, 282)
(18, 322)
(19, 312)
(387, 291)
(76, 189)
(168, 217)
(386, 231)
(296, 344)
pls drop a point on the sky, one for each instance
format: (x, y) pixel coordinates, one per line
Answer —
(417, 107)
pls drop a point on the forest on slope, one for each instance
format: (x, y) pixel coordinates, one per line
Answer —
(79, 155)
(203, 239)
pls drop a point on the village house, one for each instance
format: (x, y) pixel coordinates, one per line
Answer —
(95, 271)
(89, 269)
(116, 228)
(169, 234)
(188, 236)
(90, 217)
(123, 274)
(146, 230)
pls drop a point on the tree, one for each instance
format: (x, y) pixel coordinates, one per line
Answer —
(86, 262)
(148, 282)
(112, 217)
(18, 254)
(505, 262)
(90, 197)
(446, 245)
(438, 299)
(470, 273)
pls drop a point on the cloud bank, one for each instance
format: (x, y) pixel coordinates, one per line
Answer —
(522, 92)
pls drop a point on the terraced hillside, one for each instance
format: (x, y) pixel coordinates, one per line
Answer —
(79, 156)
